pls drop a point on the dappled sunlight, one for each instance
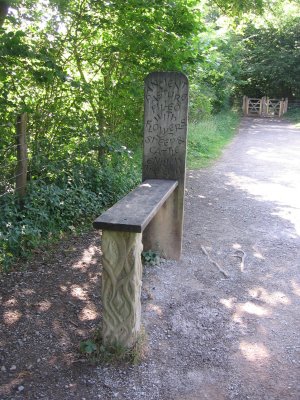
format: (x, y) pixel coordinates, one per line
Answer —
(266, 190)
(284, 194)
(250, 308)
(155, 308)
(290, 214)
(257, 254)
(10, 302)
(290, 155)
(295, 287)
(10, 317)
(228, 303)
(78, 292)
(268, 301)
(88, 258)
(241, 310)
(254, 352)
(63, 288)
(272, 299)
(47, 311)
(89, 313)
(44, 306)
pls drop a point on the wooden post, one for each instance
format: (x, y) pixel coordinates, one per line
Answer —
(281, 108)
(286, 102)
(22, 157)
(244, 105)
(263, 106)
(165, 134)
(247, 106)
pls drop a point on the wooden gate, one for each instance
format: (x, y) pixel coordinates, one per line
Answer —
(264, 107)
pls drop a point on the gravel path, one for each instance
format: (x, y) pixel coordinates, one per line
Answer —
(222, 324)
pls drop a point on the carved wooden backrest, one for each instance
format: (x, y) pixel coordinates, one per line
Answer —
(165, 136)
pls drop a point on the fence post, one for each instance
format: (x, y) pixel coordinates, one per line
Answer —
(261, 105)
(265, 102)
(283, 107)
(247, 105)
(22, 158)
(244, 104)
(286, 102)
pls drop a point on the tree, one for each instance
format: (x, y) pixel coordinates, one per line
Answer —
(4, 5)
(269, 53)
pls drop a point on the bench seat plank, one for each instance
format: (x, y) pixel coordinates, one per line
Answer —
(135, 211)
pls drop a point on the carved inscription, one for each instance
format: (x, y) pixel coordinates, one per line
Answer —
(165, 125)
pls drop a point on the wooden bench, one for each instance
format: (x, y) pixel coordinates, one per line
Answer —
(151, 216)
(134, 212)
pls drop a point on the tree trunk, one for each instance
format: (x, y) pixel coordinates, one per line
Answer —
(3, 11)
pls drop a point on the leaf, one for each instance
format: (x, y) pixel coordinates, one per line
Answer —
(88, 346)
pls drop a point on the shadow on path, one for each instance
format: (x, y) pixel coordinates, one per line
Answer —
(208, 337)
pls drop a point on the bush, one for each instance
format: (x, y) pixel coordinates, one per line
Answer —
(49, 209)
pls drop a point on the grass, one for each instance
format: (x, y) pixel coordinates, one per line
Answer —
(293, 115)
(208, 137)
(99, 353)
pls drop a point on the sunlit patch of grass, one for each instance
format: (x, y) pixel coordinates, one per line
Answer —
(208, 137)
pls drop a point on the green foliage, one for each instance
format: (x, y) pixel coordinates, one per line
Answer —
(269, 54)
(113, 353)
(151, 257)
(293, 115)
(87, 346)
(77, 69)
(208, 137)
(238, 7)
(52, 208)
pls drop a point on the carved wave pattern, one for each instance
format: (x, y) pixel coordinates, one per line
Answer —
(121, 286)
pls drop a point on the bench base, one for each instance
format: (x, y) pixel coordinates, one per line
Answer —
(121, 287)
(164, 232)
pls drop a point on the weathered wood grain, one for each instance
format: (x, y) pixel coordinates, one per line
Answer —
(135, 211)
(165, 135)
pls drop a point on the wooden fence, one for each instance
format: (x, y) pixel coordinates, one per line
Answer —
(264, 107)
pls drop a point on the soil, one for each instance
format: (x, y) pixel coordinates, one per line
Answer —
(211, 334)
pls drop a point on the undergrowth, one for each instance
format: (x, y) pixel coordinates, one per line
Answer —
(51, 209)
(99, 353)
(151, 257)
(293, 115)
(208, 137)
(70, 202)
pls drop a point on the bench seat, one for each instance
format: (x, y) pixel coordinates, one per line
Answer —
(134, 211)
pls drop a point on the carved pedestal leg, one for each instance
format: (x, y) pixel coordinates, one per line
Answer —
(121, 287)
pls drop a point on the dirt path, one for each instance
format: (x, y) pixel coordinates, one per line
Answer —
(210, 337)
